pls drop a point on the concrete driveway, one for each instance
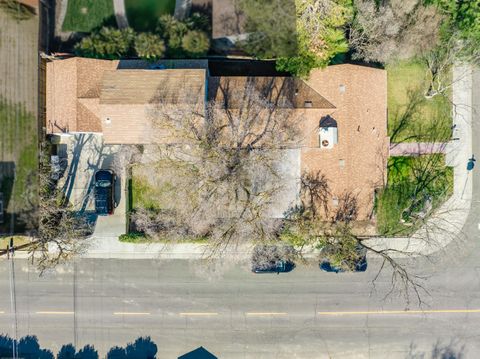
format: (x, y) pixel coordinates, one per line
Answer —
(83, 154)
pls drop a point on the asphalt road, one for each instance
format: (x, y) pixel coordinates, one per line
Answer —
(236, 314)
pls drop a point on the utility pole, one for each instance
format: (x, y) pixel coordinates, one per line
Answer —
(13, 299)
(74, 303)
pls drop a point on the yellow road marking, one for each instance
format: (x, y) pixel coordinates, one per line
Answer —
(432, 311)
(131, 313)
(2, 312)
(54, 313)
(197, 314)
(267, 313)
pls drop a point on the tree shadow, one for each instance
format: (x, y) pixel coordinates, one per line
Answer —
(68, 351)
(27, 348)
(451, 350)
(142, 347)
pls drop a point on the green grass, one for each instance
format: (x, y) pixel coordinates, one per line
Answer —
(404, 79)
(18, 145)
(86, 15)
(133, 237)
(138, 237)
(143, 195)
(399, 192)
(143, 14)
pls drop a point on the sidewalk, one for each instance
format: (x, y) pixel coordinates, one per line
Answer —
(447, 222)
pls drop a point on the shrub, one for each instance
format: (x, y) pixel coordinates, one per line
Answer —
(149, 46)
(108, 43)
(132, 237)
(196, 43)
(172, 31)
(198, 21)
(300, 65)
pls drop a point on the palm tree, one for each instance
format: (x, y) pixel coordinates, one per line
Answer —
(196, 43)
(149, 46)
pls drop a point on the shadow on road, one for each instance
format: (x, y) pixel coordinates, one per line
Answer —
(27, 347)
(199, 353)
(452, 350)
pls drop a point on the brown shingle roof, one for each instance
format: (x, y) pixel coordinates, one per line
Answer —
(69, 83)
(357, 163)
(281, 91)
(128, 97)
(143, 86)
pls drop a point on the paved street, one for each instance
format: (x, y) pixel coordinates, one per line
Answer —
(237, 314)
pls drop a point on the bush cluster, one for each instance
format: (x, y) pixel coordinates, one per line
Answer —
(173, 38)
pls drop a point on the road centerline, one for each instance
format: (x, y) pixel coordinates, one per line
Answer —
(46, 312)
(401, 312)
(131, 313)
(197, 314)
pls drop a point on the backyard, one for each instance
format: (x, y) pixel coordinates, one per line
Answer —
(18, 158)
(416, 186)
(430, 119)
(87, 15)
(143, 14)
(18, 121)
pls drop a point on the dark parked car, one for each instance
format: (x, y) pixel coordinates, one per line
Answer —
(360, 265)
(272, 259)
(105, 192)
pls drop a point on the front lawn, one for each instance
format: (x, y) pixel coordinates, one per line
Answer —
(407, 82)
(87, 15)
(411, 180)
(143, 14)
(144, 195)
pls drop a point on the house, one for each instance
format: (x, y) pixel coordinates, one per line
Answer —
(343, 111)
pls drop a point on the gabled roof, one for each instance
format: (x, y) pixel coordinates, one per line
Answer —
(286, 92)
(144, 86)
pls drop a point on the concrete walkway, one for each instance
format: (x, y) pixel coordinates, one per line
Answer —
(441, 228)
(416, 148)
(120, 14)
(182, 9)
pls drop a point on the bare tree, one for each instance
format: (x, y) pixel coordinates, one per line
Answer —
(221, 161)
(440, 60)
(315, 192)
(58, 231)
(393, 29)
